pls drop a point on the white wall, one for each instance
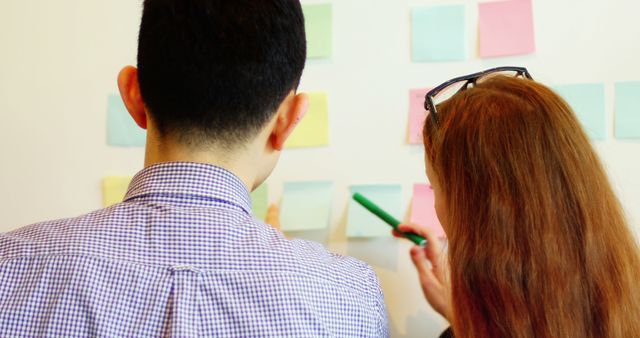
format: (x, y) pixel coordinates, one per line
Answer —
(59, 60)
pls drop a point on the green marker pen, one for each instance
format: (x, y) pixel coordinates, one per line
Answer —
(394, 223)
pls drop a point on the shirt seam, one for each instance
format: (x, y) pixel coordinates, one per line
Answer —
(212, 203)
(365, 293)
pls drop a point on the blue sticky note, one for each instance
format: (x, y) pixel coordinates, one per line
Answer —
(306, 205)
(628, 110)
(587, 101)
(122, 131)
(362, 223)
(439, 33)
(260, 202)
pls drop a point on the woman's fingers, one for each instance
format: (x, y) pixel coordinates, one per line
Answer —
(434, 250)
(434, 287)
(422, 263)
(431, 263)
(435, 253)
(397, 234)
(433, 243)
(419, 229)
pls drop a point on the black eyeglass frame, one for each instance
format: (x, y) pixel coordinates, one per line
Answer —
(470, 79)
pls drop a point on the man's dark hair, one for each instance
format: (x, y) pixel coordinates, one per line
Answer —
(215, 71)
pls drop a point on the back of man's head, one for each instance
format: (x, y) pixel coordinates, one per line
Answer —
(215, 71)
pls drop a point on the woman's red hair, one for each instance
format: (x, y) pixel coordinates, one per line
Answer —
(538, 243)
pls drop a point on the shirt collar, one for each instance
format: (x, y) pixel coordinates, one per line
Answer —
(190, 183)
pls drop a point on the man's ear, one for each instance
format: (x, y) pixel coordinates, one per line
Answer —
(130, 93)
(290, 114)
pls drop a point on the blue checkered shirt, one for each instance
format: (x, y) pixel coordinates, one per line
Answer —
(180, 257)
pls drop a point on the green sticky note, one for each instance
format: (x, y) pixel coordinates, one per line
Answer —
(313, 130)
(439, 33)
(587, 101)
(628, 110)
(306, 205)
(122, 131)
(260, 202)
(114, 188)
(319, 29)
(362, 223)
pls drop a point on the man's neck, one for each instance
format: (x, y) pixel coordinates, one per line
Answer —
(236, 162)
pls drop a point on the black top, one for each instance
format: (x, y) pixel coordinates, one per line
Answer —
(447, 334)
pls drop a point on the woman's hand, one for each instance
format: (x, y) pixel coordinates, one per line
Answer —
(432, 265)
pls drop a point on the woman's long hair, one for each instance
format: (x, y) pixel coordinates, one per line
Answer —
(538, 243)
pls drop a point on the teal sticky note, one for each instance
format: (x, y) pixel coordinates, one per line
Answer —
(587, 101)
(439, 33)
(319, 28)
(122, 131)
(306, 205)
(260, 202)
(628, 110)
(362, 223)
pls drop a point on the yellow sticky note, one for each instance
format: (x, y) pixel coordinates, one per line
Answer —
(313, 130)
(114, 188)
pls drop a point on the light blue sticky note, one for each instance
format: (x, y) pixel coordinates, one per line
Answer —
(362, 223)
(439, 33)
(306, 205)
(587, 101)
(122, 131)
(628, 110)
(260, 202)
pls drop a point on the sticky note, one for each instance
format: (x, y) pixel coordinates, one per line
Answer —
(439, 33)
(627, 110)
(587, 101)
(381, 252)
(260, 201)
(362, 223)
(423, 209)
(122, 131)
(313, 130)
(319, 29)
(506, 28)
(306, 205)
(417, 114)
(114, 188)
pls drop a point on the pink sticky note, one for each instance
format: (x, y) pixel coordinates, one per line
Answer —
(423, 209)
(417, 114)
(506, 28)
